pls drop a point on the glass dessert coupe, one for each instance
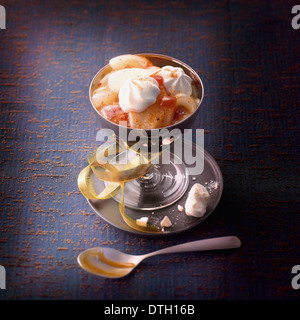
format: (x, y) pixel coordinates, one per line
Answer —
(165, 185)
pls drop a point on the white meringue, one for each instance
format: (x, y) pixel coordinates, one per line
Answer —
(176, 81)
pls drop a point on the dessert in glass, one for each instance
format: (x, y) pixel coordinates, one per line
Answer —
(149, 92)
(148, 96)
(145, 96)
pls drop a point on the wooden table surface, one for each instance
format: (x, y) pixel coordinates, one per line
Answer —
(248, 56)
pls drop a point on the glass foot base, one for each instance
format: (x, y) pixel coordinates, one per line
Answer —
(161, 187)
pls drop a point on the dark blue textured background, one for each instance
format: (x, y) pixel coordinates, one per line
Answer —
(247, 55)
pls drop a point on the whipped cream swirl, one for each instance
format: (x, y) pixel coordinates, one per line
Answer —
(176, 81)
(138, 93)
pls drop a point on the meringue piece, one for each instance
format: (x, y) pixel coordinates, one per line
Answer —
(138, 93)
(180, 208)
(117, 79)
(196, 201)
(166, 222)
(142, 221)
(176, 81)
